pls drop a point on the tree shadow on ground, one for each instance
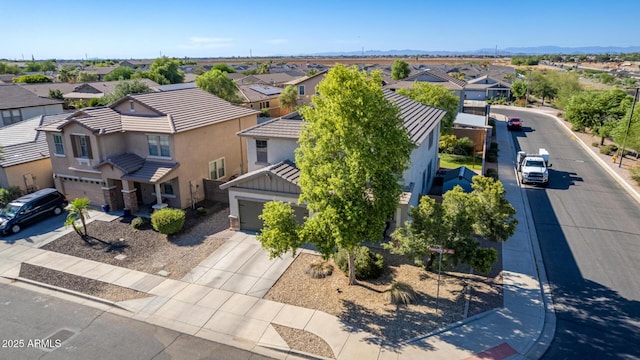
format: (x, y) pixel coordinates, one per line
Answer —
(107, 246)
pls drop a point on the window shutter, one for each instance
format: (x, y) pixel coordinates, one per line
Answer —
(74, 145)
(89, 151)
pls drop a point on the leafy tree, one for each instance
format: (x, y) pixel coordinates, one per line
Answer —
(457, 75)
(519, 89)
(56, 94)
(219, 84)
(119, 73)
(67, 73)
(32, 79)
(353, 150)
(32, 66)
(48, 65)
(128, 87)
(78, 209)
(453, 223)
(281, 232)
(84, 76)
(9, 194)
(6, 68)
(312, 72)
(400, 70)
(436, 96)
(598, 111)
(630, 140)
(541, 86)
(568, 84)
(165, 71)
(289, 97)
(224, 68)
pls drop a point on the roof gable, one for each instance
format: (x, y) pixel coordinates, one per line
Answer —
(14, 96)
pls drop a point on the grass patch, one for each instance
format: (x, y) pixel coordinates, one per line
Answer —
(451, 161)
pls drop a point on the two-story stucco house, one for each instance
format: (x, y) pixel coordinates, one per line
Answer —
(153, 149)
(273, 175)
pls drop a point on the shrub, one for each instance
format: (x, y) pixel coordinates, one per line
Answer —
(447, 144)
(400, 293)
(9, 194)
(139, 222)
(168, 221)
(319, 269)
(465, 146)
(635, 174)
(493, 146)
(492, 155)
(201, 211)
(595, 144)
(608, 149)
(368, 264)
(492, 173)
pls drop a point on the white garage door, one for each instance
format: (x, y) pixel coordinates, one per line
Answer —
(80, 189)
(250, 210)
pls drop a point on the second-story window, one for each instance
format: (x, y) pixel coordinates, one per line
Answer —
(301, 90)
(431, 139)
(81, 146)
(158, 145)
(57, 140)
(11, 116)
(261, 151)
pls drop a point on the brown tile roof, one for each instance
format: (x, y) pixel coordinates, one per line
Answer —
(15, 97)
(160, 124)
(79, 89)
(126, 162)
(276, 128)
(94, 119)
(151, 172)
(191, 108)
(285, 170)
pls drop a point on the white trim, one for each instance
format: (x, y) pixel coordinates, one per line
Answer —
(83, 161)
(60, 155)
(67, 176)
(79, 134)
(168, 196)
(128, 191)
(159, 157)
(108, 187)
(84, 170)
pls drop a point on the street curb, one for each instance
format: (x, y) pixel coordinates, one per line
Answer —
(293, 352)
(64, 291)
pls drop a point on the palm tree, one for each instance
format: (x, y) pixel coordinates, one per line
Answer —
(78, 209)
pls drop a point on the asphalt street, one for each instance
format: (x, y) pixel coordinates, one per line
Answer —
(589, 235)
(38, 326)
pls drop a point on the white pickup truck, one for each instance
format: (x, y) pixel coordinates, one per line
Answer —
(534, 168)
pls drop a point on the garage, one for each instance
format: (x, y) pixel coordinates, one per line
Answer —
(74, 188)
(250, 210)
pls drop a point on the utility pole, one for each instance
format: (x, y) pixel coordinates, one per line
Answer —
(624, 142)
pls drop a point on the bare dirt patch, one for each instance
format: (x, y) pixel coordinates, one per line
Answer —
(145, 249)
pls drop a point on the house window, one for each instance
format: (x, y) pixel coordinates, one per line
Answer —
(166, 188)
(81, 146)
(158, 145)
(431, 139)
(57, 140)
(261, 151)
(216, 169)
(264, 105)
(132, 108)
(11, 116)
(301, 90)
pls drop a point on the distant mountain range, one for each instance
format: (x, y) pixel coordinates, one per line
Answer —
(539, 50)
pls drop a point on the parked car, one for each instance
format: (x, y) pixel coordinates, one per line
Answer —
(514, 124)
(30, 209)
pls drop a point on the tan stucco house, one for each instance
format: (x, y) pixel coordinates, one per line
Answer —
(152, 149)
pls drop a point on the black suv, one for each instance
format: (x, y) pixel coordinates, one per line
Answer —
(30, 209)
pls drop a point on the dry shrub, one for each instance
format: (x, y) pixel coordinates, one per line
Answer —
(319, 269)
(400, 293)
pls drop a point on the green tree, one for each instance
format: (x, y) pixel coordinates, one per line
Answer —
(165, 71)
(84, 76)
(519, 89)
(353, 150)
(453, 223)
(436, 96)
(32, 79)
(400, 70)
(598, 111)
(219, 84)
(119, 73)
(568, 84)
(289, 97)
(224, 68)
(6, 68)
(630, 139)
(67, 73)
(56, 94)
(78, 210)
(540, 86)
(32, 66)
(48, 65)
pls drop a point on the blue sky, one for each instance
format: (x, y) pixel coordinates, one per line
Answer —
(147, 29)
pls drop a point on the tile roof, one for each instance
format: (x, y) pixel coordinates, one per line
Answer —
(438, 75)
(94, 119)
(28, 144)
(418, 119)
(275, 78)
(276, 128)
(160, 124)
(259, 92)
(151, 172)
(192, 108)
(14, 96)
(101, 88)
(126, 162)
(285, 170)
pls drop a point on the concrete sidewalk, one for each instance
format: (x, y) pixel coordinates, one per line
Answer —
(221, 300)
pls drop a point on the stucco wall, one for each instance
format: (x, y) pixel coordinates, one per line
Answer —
(40, 170)
(420, 158)
(278, 149)
(29, 112)
(238, 194)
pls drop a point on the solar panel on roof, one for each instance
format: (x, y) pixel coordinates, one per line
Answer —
(266, 90)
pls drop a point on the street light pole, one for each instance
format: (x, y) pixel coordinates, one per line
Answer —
(624, 142)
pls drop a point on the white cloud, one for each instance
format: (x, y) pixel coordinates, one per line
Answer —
(277, 41)
(197, 42)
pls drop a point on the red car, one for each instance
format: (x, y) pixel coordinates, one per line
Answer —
(514, 124)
